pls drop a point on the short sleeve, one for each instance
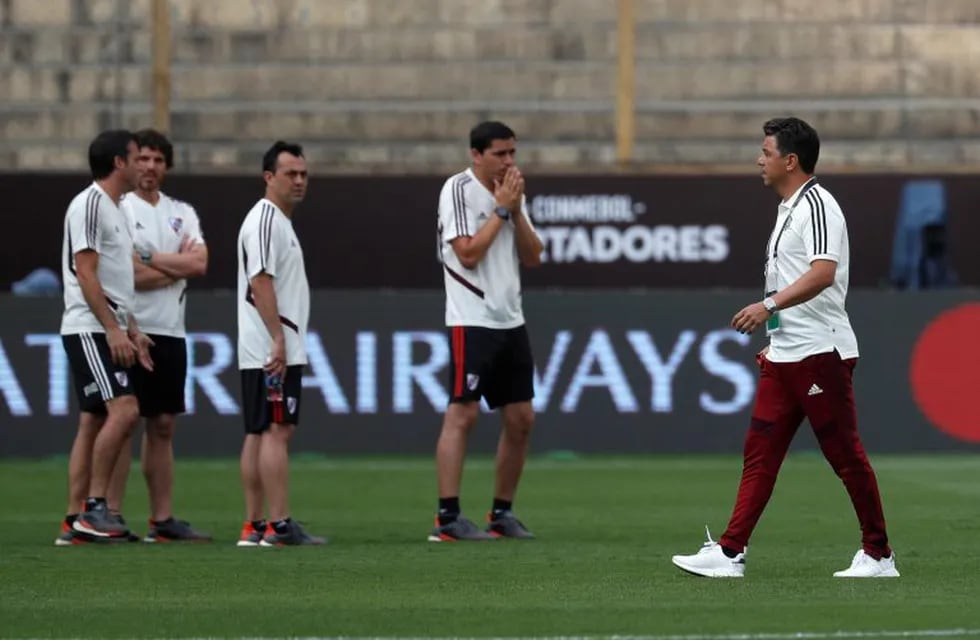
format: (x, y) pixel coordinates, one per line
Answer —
(822, 227)
(457, 216)
(85, 222)
(260, 240)
(193, 225)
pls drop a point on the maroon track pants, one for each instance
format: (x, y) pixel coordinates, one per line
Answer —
(819, 388)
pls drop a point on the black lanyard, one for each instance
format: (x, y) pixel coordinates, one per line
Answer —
(811, 183)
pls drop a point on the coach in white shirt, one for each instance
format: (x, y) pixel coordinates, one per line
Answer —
(100, 335)
(169, 249)
(484, 235)
(273, 314)
(807, 368)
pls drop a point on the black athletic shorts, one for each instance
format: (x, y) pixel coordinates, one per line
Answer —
(495, 364)
(162, 390)
(95, 376)
(258, 411)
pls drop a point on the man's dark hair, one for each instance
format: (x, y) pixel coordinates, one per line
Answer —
(483, 134)
(271, 156)
(153, 139)
(795, 136)
(106, 147)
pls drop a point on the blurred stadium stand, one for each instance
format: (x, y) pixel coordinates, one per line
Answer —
(393, 85)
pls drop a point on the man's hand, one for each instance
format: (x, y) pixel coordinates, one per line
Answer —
(143, 344)
(186, 244)
(748, 319)
(760, 358)
(121, 347)
(276, 363)
(509, 191)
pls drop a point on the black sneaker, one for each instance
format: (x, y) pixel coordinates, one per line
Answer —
(459, 529)
(293, 536)
(171, 530)
(100, 523)
(504, 524)
(130, 536)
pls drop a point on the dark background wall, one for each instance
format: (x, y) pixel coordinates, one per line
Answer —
(368, 232)
(636, 372)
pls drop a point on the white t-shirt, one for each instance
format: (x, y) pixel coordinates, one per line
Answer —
(93, 221)
(268, 244)
(161, 228)
(810, 226)
(489, 295)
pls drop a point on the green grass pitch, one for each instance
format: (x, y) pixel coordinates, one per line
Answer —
(601, 566)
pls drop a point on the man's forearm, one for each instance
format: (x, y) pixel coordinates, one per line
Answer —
(472, 251)
(132, 327)
(97, 301)
(529, 246)
(147, 278)
(807, 287)
(180, 265)
(264, 296)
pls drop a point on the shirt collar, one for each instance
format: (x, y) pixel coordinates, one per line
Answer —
(790, 202)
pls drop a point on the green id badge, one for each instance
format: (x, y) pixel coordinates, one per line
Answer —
(772, 324)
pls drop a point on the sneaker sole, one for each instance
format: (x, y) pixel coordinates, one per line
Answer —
(272, 545)
(497, 534)
(706, 573)
(246, 543)
(887, 573)
(81, 528)
(62, 543)
(442, 538)
(163, 539)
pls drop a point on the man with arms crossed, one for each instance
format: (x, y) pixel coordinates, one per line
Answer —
(169, 249)
(484, 235)
(807, 368)
(100, 335)
(273, 313)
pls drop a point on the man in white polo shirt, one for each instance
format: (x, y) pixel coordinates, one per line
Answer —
(169, 249)
(101, 337)
(807, 368)
(273, 314)
(484, 235)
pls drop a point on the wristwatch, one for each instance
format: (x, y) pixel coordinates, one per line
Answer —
(145, 255)
(503, 212)
(770, 305)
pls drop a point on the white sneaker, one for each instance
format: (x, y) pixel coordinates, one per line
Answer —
(711, 561)
(864, 566)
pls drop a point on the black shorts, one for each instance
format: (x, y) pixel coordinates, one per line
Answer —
(495, 364)
(258, 411)
(162, 390)
(96, 377)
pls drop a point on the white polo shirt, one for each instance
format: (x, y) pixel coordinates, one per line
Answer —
(268, 244)
(161, 228)
(810, 226)
(490, 294)
(93, 221)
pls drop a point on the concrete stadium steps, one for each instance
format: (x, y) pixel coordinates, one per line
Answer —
(375, 81)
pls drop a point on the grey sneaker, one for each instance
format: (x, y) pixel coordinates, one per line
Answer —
(250, 536)
(100, 523)
(171, 530)
(504, 524)
(459, 529)
(293, 536)
(70, 537)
